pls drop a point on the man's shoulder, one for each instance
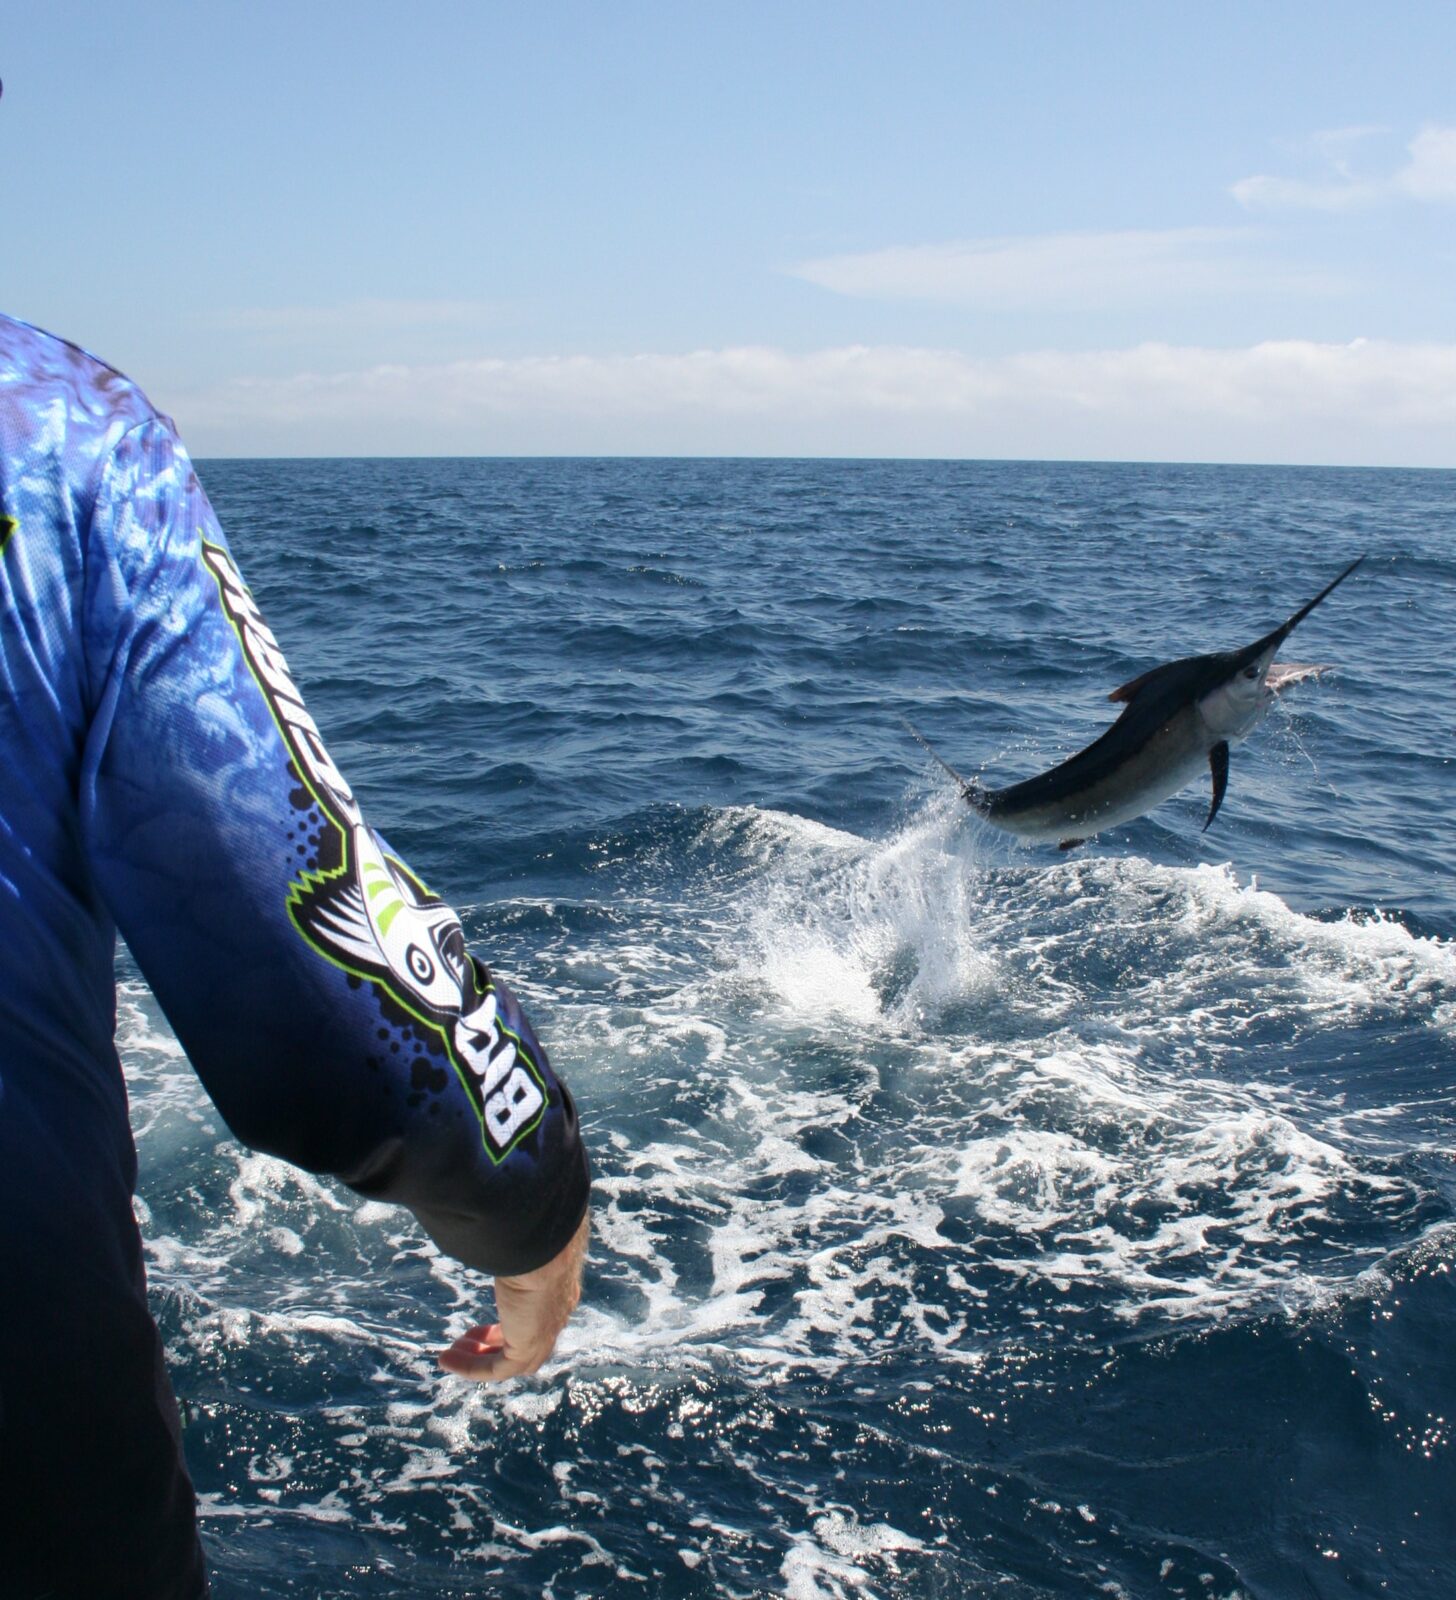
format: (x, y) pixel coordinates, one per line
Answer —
(39, 371)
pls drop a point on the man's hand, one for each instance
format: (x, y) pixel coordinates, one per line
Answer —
(533, 1310)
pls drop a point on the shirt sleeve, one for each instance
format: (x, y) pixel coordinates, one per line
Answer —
(324, 995)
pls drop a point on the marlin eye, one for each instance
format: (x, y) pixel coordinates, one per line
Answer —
(422, 969)
(1251, 673)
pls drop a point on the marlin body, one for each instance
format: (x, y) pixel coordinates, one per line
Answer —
(1177, 719)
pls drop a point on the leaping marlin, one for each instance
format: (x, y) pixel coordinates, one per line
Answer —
(1176, 718)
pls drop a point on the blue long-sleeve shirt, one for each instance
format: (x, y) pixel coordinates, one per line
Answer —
(159, 774)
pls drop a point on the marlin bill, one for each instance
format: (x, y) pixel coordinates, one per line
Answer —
(1177, 719)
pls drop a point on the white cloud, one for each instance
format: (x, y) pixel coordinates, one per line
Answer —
(1064, 271)
(1339, 145)
(1428, 175)
(1431, 173)
(1366, 402)
(1271, 194)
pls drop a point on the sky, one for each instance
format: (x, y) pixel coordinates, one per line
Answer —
(1042, 229)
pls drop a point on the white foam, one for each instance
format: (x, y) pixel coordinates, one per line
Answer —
(830, 1565)
(888, 1082)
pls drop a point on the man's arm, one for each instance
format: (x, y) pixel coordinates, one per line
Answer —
(324, 994)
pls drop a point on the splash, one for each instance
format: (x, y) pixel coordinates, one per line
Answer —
(849, 1100)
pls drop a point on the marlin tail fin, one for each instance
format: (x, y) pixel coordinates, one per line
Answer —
(971, 791)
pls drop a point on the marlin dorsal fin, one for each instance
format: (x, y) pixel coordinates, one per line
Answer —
(1134, 686)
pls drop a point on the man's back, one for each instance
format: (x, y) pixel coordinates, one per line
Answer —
(161, 774)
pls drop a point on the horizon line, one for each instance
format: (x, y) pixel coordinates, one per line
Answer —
(867, 460)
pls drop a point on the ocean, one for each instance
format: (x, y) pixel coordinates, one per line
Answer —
(971, 1219)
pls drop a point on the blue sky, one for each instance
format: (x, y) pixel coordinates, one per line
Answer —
(1146, 231)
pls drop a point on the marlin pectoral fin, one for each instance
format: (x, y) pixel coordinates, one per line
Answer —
(1218, 766)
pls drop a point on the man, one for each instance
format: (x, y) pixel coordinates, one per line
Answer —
(159, 774)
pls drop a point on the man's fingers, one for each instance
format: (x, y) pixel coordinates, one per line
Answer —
(472, 1345)
(483, 1355)
(533, 1308)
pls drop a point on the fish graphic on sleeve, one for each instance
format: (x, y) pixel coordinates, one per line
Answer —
(375, 919)
(378, 920)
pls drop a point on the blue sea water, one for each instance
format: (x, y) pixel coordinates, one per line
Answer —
(971, 1219)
